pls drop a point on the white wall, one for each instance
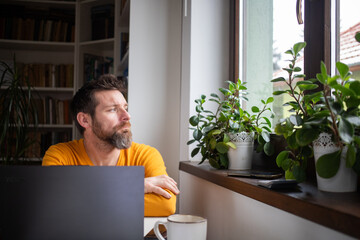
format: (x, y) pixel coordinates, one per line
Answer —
(206, 49)
(233, 216)
(154, 76)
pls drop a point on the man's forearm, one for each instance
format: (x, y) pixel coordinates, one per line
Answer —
(158, 206)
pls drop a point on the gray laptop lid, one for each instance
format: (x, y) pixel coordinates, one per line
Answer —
(71, 202)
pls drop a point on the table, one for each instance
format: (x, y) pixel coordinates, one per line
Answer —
(149, 223)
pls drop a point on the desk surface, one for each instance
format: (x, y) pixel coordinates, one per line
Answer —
(149, 223)
(337, 211)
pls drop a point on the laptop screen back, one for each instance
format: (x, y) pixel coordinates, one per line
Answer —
(71, 202)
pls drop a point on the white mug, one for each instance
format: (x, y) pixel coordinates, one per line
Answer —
(182, 227)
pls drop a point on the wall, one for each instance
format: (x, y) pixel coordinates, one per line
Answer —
(233, 216)
(205, 54)
(154, 76)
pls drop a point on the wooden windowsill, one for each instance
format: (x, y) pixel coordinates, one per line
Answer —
(338, 211)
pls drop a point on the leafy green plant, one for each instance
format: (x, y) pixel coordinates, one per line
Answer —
(298, 135)
(334, 109)
(18, 114)
(211, 129)
(341, 98)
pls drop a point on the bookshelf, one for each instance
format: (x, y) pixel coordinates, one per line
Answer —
(61, 44)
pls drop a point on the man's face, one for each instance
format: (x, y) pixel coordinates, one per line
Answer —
(111, 122)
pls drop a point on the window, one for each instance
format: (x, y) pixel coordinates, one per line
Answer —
(267, 28)
(349, 24)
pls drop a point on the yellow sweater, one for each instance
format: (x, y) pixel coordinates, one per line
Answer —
(73, 153)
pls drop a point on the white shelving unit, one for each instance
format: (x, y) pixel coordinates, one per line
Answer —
(52, 52)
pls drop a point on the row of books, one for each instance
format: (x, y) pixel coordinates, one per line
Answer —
(43, 140)
(102, 22)
(48, 75)
(95, 66)
(20, 23)
(53, 111)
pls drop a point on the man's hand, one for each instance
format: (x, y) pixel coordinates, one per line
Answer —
(159, 183)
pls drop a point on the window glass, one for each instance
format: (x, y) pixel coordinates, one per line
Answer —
(269, 28)
(349, 25)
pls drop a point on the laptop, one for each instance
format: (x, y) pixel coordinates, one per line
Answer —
(71, 202)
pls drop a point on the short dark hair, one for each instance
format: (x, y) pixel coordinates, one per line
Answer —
(84, 99)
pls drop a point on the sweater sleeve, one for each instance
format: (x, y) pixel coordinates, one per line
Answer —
(156, 205)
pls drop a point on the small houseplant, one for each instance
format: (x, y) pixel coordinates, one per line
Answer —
(211, 130)
(336, 170)
(18, 114)
(299, 136)
(334, 110)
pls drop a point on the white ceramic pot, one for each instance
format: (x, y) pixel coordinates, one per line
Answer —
(241, 157)
(345, 179)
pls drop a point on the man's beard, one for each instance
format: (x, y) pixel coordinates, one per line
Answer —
(120, 140)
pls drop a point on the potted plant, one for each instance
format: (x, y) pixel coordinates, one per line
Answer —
(333, 110)
(336, 151)
(18, 114)
(298, 136)
(215, 131)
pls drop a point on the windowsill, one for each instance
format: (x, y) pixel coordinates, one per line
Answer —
(338, 211)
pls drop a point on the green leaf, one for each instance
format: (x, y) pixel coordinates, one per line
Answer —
(214, 95)
(343, 69)
(214, 163)
(299, 173)
(212, 143)
(215, 132)
(296, 120)
(328, 164)
(291, 141)
(266, 136)
(224, 160)
(195, 151)
(289, 174)
(350, 156)
(281, 157)
(279, 79)
(355, 120)
(255, 109)
(304, 87)
(226, 138)
(198, 108)
(346, 130)
(231, 144)
(225, 91)
(269, 100)
(297, 69)
(286, 164)
(298, 47)
(197, 134)
(355, 86)
(279, 92)
(222, 147)
(344, 90)
(357, 36)
(306, 136)
(191, 142)
(269, 149)
(324, 75)
(194, 121)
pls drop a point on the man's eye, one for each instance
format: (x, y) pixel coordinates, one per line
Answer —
(113, 110)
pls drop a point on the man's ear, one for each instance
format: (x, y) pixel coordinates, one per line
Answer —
(84, 120)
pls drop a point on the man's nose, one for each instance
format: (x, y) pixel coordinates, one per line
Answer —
(125, 115)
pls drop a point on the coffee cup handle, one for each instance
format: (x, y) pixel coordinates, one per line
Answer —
(156, 229)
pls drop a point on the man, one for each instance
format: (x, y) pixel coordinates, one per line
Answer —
(99, 110)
